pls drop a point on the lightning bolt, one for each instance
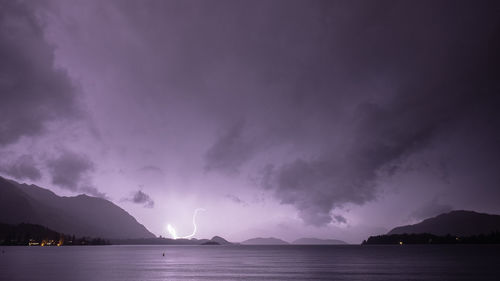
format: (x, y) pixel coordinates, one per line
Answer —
(173, 233)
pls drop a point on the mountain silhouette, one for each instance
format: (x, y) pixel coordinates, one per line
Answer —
(80, 215)
(264, 241)
(460, 223)
(220, 240)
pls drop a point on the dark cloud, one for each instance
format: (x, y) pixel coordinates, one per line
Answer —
(139, 197)
(340, 219)
(152, 169)
(32, 90)
(230, 151)
(24, 167)
(431, 209)
(70, 170)
(317, 186)
(236, 199)
(373, 85)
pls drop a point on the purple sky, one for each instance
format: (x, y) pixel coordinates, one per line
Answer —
(333, 119)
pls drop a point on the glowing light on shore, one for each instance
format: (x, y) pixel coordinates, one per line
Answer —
(173, 232)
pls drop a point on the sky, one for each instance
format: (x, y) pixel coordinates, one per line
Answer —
(328, 119)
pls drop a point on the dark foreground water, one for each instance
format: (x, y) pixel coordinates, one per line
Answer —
(143, 263)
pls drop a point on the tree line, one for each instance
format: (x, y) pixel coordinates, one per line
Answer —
(426, 238)
(38, 235)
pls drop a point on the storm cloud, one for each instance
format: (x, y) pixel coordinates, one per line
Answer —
(33, 91)
(386, 87)
(72, 171)
(431, 209)
(340, 219)
(230, 151)
(236, 199)
(139, 197)
(24, 167)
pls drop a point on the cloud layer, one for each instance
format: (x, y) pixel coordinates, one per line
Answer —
(369, 91)
(33, 91)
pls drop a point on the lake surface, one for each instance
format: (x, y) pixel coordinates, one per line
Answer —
(349, 262)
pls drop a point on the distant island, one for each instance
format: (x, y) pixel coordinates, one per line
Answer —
(455, 227)
(264, 241)
(300, 241)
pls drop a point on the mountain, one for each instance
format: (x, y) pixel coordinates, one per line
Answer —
(80, 215)
(264, 241)
(459, 223)
(316, 241)
(220, 240)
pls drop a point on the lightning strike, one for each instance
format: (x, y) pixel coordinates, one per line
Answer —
(173, 232)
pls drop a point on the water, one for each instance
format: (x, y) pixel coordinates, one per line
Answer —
(353, 262)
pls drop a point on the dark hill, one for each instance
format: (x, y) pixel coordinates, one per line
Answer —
(80, 215)
(264, 241)
(460, 223)
(219, 240)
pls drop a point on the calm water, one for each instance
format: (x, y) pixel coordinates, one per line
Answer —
(142, 263)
